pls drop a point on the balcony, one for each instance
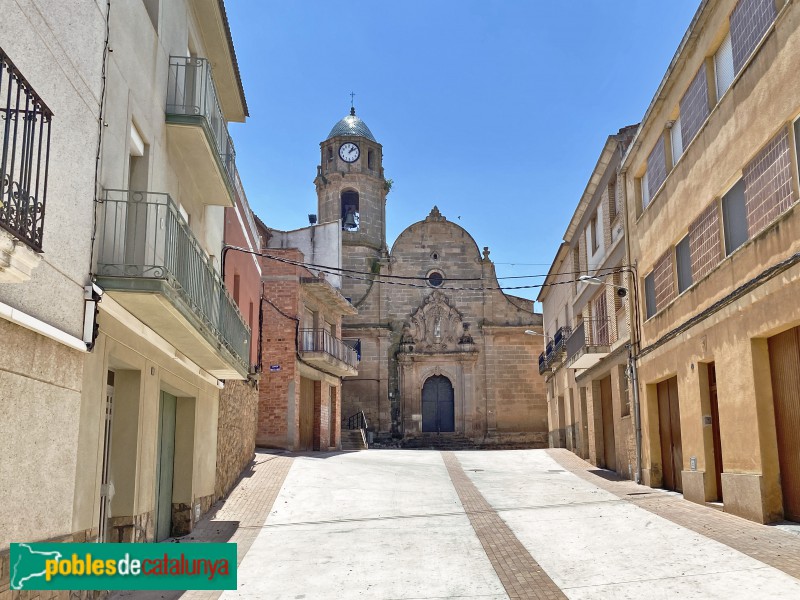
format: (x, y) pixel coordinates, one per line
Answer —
(554, 352)
(320, 349)
(197, 132)
(587, 346)
(151, 263)
(24, 163)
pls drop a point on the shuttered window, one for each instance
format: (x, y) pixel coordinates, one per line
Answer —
(677, 140)
(694, 106)
(650, 295)
(656, 167)
(683, 261)
(734, 218)
(645, 187)
(768, 189)
(723, 66)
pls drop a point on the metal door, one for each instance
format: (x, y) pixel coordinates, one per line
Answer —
(166, 466)
(306, 421)
(669, 425)
(438, 406)
(784, 360)
(105, 475)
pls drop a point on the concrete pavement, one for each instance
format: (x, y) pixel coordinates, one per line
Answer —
(389, 524)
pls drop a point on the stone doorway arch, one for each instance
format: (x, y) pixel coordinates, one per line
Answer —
(438, 405)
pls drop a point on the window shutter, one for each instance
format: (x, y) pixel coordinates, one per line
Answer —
(683, 259)
(723, 66)
(677, 140)
(644, 184)
(650, 295)
(734, 215)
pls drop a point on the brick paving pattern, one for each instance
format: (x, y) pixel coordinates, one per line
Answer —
(767, 544)
(239, 518)
(520, 574)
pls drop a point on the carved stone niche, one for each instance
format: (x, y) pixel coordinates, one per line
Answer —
(436, 326)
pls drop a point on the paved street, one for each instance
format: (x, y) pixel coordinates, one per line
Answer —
(491, 525)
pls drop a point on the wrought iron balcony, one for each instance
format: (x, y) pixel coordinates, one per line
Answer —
(151, 263)
(25, 159)
(193, 105)
(586, 346)
(554, 352)
(319, 348)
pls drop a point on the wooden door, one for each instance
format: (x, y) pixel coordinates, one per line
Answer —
(306, 425)
(669, 425)
(607, 412)
(784, 360)
(438, 407)
(717, 442)
(166, 466)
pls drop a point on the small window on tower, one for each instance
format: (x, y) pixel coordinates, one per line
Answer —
(370, 159)
(350, 216)
(330, 153)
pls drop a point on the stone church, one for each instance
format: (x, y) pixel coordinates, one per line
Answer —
(443, 350)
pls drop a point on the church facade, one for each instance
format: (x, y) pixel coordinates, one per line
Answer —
(443, 350)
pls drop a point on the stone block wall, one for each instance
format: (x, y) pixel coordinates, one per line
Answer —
(236, 433)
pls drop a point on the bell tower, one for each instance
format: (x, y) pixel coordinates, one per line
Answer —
(351, 189)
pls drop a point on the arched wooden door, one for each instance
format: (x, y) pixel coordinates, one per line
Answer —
(438, 406)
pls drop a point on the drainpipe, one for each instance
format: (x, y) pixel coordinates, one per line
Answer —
(637, 417)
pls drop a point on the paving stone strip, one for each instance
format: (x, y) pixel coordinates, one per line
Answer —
(770, 545)
(520, 574)
(239, 518)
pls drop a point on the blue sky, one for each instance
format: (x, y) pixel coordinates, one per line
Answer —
(496, 112)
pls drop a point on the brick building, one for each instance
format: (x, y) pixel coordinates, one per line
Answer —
(436, 356)
(587, 324)
(303, 354)
(711, 183)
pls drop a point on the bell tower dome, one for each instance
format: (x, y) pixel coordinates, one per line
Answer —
(351, 189)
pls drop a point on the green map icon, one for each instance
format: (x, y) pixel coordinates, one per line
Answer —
(28, 564)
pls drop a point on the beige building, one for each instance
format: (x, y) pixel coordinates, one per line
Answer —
(711, 183)
(117, 334)
(303, 352)
(45, 259)
(436, 356)
(587, 325)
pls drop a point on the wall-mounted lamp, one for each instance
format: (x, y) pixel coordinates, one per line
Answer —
(622, 291)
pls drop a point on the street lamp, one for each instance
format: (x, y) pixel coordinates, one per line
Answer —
(622, 291)
(531, 332)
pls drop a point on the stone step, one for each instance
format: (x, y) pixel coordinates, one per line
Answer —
(352, 440)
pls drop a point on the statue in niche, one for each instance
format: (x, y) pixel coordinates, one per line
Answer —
(436, 326)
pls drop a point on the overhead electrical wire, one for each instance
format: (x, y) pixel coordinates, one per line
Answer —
(386, 279)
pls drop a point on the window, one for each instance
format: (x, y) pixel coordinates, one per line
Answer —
(330, 153)
(749, 22)
(593, 234)
(236, 288)
(370, 159)
(683, 260)
(656, 167)
(613, 209)
(350, 214)
(723, 67)
(650, 295)
(677, 140)
(625, 401)
(645, 190)
(435, 279)
(734, 218)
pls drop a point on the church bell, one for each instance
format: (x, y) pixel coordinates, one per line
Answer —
(350, 219)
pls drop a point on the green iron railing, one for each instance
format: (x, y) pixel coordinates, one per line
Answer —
(142, 235)
(191, 93)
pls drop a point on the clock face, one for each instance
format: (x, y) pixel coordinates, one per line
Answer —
(349, 152)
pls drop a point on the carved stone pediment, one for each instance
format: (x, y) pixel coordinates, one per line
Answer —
(436, 326)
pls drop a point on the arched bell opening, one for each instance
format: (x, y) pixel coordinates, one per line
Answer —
(350, 210)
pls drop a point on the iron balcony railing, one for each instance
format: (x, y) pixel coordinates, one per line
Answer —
(191, 93)
(143, 235)
(599, 334)
(554, 349)
(321, 340)
(25, 160)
